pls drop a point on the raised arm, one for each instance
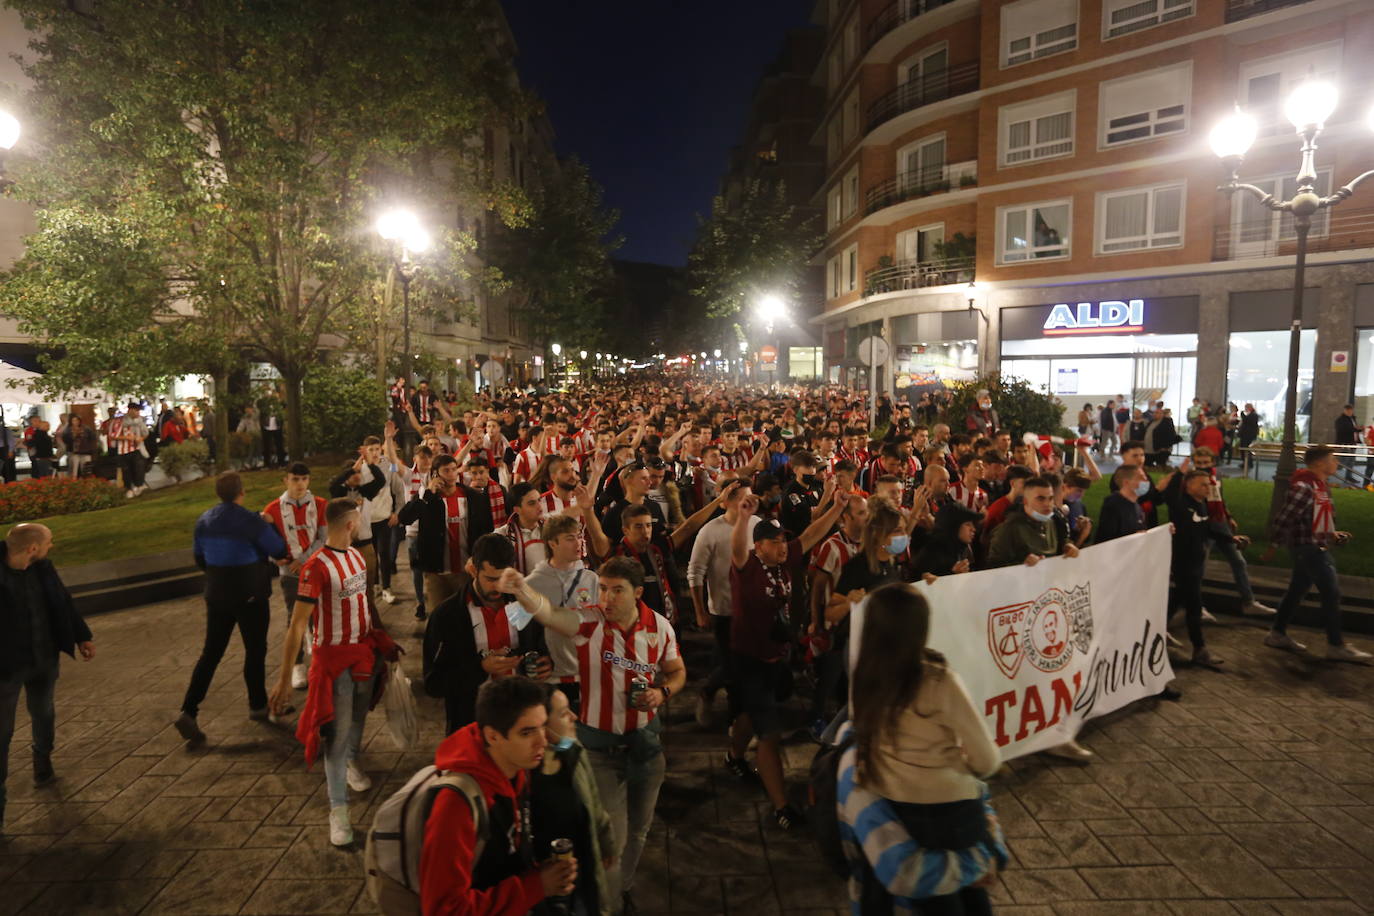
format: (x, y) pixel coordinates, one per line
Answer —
(561, 620)
(739, 536)
(820, 526)
(689, 528)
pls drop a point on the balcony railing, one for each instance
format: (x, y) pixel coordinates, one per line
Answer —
(921, 183)
(898, 13)
(923, 90)
(1236, 10)
(917, 275)
(1332, 230)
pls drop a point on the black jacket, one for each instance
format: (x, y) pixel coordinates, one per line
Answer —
(943, 548)
(452, 669)
(1194, 530)
(338, 487)
(68, 629)
(1249, 427)
(1118, 518)
(428, 510)
(1347, 430)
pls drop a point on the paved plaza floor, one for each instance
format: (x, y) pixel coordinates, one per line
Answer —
(1255, 794)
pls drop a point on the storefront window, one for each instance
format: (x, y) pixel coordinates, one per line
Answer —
(804, 362)
(1257, 373)
(1364, 375)
(928, 365)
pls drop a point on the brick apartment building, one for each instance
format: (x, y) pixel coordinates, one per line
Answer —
(1056, 151)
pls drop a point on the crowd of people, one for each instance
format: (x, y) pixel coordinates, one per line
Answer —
(557, 545)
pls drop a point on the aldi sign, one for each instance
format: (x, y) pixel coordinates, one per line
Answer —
(1112, 316)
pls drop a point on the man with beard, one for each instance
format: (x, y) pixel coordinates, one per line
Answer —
(568, 496)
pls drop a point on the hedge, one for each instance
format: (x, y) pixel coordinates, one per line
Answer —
(29, 499)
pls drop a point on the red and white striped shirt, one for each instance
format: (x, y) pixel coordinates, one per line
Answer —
(969, 497)
(736, 459)
(336, 582)
(526, 463)
(127, 426)
(859, 456)
(491, 627)
(609, 658)
(301, 525)
(455, 531)
(834, 552)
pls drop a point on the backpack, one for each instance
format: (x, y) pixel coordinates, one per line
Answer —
(392, 858)
(823, 794)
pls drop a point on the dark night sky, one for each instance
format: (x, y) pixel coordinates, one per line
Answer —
(651, 94)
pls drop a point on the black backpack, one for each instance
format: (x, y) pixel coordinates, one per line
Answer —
(822, 794)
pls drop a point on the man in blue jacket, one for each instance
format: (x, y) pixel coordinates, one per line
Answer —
(232, 545)
(37, 621)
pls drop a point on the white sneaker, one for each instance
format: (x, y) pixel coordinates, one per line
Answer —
(1255, 609)
(340, 829)
(300, 677)
(1070, 750)
(1173, 641)
(388, 597)
(1348, 654)
(358, 781)
(1277, 640)
(1207, 616)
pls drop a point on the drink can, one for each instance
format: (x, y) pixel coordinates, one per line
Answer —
(637, 688)
(561, 848)
(529, 664)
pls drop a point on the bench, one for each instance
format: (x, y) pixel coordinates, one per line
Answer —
(1269, 451)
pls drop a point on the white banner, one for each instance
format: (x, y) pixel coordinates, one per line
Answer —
(1044, 648)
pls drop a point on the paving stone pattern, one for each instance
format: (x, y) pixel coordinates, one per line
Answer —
(1254, 795)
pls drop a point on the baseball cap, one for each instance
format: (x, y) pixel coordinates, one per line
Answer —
(768, 528)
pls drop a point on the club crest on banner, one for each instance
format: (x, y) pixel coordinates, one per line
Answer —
(1044, 632)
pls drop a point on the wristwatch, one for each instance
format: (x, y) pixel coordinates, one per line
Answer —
(666, 692)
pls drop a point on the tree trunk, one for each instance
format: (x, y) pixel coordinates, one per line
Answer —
(295, 431)
(221, 381)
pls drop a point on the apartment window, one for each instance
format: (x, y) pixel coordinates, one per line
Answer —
(851, 116)
(1039, 129)
(1145, 106)
(851, 192)
(851, 268)
(1033, 232)
(1038, 28)
(1265, 83)
(834, 209)
(832, 277)
(1122, 17)
(922, 163)
(1257, 230)
(918, 245)
(1140, 218)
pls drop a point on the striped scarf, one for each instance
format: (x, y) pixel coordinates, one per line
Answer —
(1323, 511)
(497, 497)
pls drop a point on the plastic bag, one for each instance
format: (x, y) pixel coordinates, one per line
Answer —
(399, 702)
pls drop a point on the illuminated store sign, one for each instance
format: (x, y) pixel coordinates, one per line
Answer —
(1112, 316)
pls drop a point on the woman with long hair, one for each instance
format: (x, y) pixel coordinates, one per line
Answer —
(884, 541)
(919, 742)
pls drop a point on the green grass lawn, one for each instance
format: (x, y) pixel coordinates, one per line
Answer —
(160, 520)
(1249, 503)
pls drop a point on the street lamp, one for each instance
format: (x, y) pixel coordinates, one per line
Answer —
(403, 230)
(9, 135)
(1307, 108)
(974, 290)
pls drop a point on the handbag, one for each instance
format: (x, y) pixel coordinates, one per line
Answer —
(399, 702)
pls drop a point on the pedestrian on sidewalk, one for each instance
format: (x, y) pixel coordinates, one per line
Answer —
(233, 545)
(347, 676)
(298, 516)
(37, 621)
(1306, 524)
(1195, 530)
(126, 434)
(1204, 459)
(79, 440)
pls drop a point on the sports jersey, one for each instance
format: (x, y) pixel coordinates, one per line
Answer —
(736, 459)
(834, 552)
(528, 543)
(455, 531)
(414, 482)
(969, 497)
(335, 581)
(526, 463)
(491, 629)
(297, 521)
(609, 658)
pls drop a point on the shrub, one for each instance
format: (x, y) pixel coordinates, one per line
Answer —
(341, 406)
(1020, 407)
(25, 500)
(180, 459)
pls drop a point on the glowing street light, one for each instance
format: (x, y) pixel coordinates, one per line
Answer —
(556, 349)
(9, 130)
(400, 227)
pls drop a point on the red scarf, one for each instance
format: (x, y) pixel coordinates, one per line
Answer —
(660, 567)
(1323, 512)
(497, 497)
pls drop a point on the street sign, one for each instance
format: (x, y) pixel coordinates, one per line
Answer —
(872, 351)
(493, 372)
(768, 358)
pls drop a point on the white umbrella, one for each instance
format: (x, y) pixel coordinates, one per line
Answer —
(14, 389)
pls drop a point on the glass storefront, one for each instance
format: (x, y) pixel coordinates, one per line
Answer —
(1257, 373)
(1364, 374)
(1090, 353)
(933, 349)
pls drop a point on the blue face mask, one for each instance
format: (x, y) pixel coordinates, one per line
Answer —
(1041, 516)
(517, 615)
(1142, 488)
(563, 744)
(898, 544)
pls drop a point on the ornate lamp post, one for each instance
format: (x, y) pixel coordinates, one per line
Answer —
(1307, 108)
(407, 237)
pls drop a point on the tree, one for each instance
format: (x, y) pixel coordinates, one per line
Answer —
(1020, 407)
(557, 263)
(757, 245)
(238, 150)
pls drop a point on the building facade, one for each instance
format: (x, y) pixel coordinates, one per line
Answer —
(1054, 152)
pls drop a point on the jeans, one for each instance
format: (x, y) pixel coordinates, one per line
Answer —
(289, 585)
(720, 658)
(75, 463)
(1313, 566)
(39, 685)
(417, 575)
(232, 598)
(1239, 570)
(274, 447)
(381, 546)
(344, 733)
(629, 793)
(1188, 592)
